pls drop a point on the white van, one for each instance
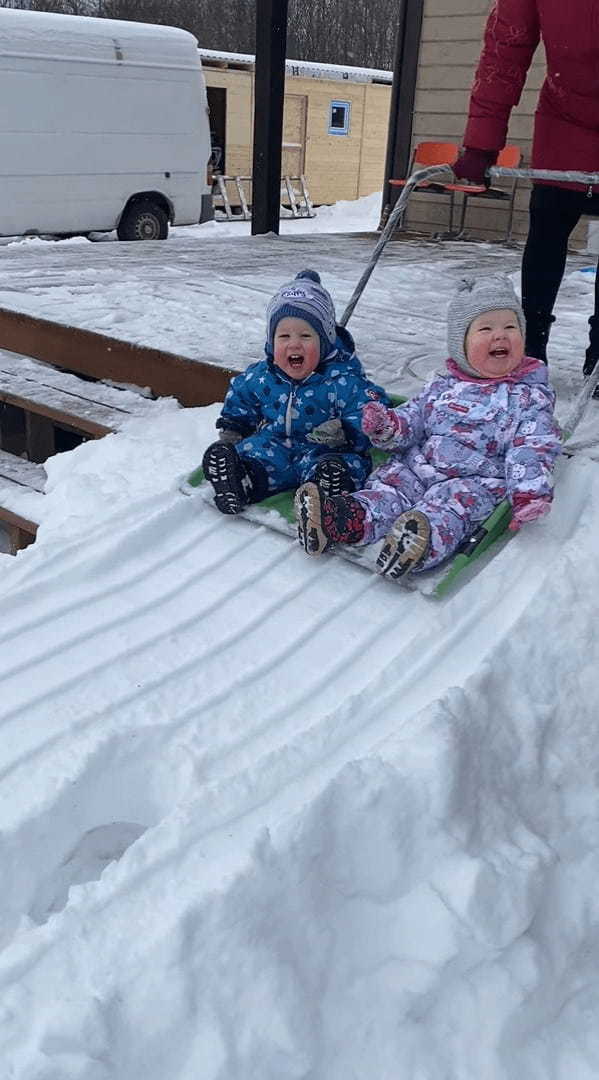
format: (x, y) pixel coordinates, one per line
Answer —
(103, 125)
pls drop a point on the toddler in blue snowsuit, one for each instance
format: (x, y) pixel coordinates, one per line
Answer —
(296, 415)
(479, 433)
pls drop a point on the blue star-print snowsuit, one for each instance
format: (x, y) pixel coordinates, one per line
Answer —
(279, 417)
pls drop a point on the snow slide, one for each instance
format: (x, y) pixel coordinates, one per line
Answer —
(266, 817)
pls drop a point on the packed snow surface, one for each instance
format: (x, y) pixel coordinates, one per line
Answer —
(269, 818)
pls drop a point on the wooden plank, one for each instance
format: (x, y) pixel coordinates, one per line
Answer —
(192, 382)
(443, 100)
(450, 127)
(436, 8)
(18, 478)
(454, 28)
(127, 401)
(447, 53)
(12, 429)
(10, 495)
(460, 77)
(20, 471)
(18, 537)
(87, 417)
(41, 442)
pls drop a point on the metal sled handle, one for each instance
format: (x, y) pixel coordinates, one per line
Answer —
(416, 178)
(496, 172)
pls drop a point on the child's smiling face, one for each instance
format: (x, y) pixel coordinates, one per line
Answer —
(494, 345)
(296, 347)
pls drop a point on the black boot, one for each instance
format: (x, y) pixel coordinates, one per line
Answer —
(236, 481)
(592, 353)
(333, 477)
(538, 326)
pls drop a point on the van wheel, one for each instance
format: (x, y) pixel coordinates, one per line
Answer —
(143, 220)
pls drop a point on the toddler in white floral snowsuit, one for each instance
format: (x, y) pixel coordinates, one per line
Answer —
(482, 431)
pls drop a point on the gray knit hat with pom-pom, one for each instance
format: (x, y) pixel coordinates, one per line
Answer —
(475, 296)
(304, 298)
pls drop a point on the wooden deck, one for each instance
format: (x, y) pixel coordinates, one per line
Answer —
(41, 396)
(86, 352)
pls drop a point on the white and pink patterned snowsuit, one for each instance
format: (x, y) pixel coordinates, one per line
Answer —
(463, 444)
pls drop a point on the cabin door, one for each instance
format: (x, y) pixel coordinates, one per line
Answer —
(294, 134)
(217, 107)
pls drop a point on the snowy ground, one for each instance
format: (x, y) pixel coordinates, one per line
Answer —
(267, 818)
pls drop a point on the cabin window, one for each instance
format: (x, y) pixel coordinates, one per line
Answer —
(339, 118)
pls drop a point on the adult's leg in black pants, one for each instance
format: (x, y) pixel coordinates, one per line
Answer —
(553, 214)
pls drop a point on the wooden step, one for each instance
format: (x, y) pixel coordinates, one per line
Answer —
(52, 399)
(49, 399)
(19, 478)
(88, 407)
(192, 382)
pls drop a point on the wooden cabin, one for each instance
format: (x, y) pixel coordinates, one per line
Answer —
(334, 123)
(450, 42)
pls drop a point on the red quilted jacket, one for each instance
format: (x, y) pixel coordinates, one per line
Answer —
(566, 132)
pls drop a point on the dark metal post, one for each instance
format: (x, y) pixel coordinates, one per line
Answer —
(269, 90)
(403, 93)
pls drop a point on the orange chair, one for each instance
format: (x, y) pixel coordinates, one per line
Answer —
(432, 153)
(509, 158)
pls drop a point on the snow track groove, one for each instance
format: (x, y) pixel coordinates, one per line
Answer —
(246, 681)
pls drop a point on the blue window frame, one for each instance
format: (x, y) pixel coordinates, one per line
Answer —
(339, 117)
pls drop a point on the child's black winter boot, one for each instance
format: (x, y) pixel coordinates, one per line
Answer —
(234, 480)
(323, 520)
(333, 477)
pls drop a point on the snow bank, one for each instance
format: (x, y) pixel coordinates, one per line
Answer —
(266, 817)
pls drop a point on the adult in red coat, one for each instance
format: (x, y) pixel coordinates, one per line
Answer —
(566, 137)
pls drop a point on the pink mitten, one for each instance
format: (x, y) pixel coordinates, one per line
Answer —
(379, 422)
(528, 508)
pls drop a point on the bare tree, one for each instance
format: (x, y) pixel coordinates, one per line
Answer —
(325, 30)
